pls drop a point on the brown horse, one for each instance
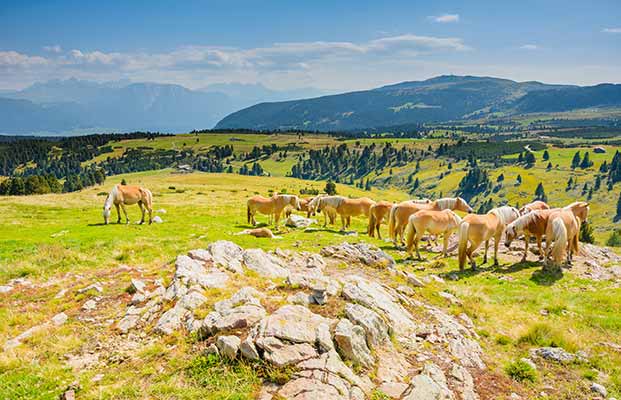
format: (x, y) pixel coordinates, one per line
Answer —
(476, 229)
(400, 213)
(377, 213)
(270, 206)
(303, 207)
(345, 207)
(534, 206)
(563, 227)
(122, 195)
(329, 213)
(434, 222)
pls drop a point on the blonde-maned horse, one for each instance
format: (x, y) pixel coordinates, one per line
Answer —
(345, 207)
(580, 209)
(377, 213)
(125, 195)
(477, 228)
(270, 206)
(328, 212)
(303, 207)
(434, 222)
(400, 213)
(563, 227)
(534, 206)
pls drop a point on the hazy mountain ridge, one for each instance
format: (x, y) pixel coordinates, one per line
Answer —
(439, 99)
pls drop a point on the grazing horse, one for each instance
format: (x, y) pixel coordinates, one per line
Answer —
(346, 207)
(532, 224)
(435, 222)
(329, 213)
(563, 227)
(125, 195)
(476, 229)
(400, 213)
(534, 206)
(303, 207)
(377, 213)
(270, 206)
(580, 209)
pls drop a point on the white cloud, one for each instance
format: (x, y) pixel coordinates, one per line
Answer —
(445, 18)
(530, 47)
(14, 59)
(611, 30)
(53, 49)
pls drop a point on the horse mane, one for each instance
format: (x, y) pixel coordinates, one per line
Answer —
(111, 196)
(505, 213)
(524, 220)
(576, 204)
(420, 201)
(332, 201)
(446, 203)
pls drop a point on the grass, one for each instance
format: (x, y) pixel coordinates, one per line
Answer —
(521, 371)
(543, 335)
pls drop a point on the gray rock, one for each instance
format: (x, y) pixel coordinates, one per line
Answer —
(244, 296)
(413, 280)
(137, 286)
(248, 349)
(240, 317)
(292, 323)
(201, 255)
(208, 326)
(211, 349)
(599, 389)
(128, 322)
(93, 286)
(297, 221)
(556, 354)
(376, 330)
(451, 298)
(406, 290)
(351, 342)
(299, 298)
(282, 354)
(360, 253)
(394, 390)
(5, 289)
(429, 385)
(90, 305)
(59, 319)
(192, 272)
(228, 345)
(466, 382)
(191, 301)
(324, 338)
(529, 362)
(227, 255)
(264, 264)
(310, 389)
(171, 320)
(157, 219)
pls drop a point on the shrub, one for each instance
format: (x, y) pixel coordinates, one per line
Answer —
(614, 240)
(521, 371)
(503, 340)
(543, 335)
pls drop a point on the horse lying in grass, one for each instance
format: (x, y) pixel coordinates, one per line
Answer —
(125, 195)
(535, 224)
(476, 229)
(270, 206)
(377, 213)
(400, 213)
(434, 222)
(561, 236)
(344, 207)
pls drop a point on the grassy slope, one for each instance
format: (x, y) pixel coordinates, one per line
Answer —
(45, 237)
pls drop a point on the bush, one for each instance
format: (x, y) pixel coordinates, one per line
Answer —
(503, 340)
(614, 240)
(543, 335)
(521, 371)
(586, 233)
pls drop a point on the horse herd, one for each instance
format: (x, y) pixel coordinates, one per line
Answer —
(409, 220)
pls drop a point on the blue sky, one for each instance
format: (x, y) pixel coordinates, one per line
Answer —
(344, 45)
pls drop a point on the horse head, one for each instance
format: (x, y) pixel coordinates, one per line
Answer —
(510, 234)
(462, 205)
(295, 202)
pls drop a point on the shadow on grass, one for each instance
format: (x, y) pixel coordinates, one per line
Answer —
(545, 277)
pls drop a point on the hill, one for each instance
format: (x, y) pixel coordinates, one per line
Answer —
(440, 99)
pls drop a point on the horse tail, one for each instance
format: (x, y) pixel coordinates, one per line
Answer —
(410, 231)
(371, 228)
(149, 198)
(391, 223)
(248, 215)
(559, 235)
(463, 243)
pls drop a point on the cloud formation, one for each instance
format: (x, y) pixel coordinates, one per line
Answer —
(289, 59)
(611, 30)
(530, 47)
(445, 18)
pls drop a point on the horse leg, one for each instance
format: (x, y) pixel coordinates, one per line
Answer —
(446, 240)
(118, 213)
(276, 219)
(496, 243)
(470, 252)
(526, 240)
(343, 222)
(539, 245)
(377, 228)
(143, 211)
(125, 213)
(486, 244)
(416, 244)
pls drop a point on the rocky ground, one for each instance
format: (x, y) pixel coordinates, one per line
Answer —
(343, 324)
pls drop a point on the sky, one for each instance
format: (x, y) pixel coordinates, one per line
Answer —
(330, 45)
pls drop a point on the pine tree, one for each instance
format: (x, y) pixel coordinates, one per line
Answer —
(529, 159)
(586, 233)
(586, 161)
(330, 188)
(540, 193)
(575, 162)
(618, 215)
(598, 182)
(546, 155)
(549, 167)
(518, 181)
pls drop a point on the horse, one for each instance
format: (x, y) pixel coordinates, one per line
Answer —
(122, 195)
(435, 222)
(563, 227)
(329, 213)
(303, 207)
(270, 206)
(537, 224)
(377, 213)
(477, 228)
(346, 207)
(400, 213)
(534, 206)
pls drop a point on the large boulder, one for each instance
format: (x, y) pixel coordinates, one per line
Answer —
(292, 323)
(352, 344)
(430, 384)
(297, 221)
(191, 272)
(227, 255)
(264, 264)
(374, 326)
(282, 354)
(228, 345)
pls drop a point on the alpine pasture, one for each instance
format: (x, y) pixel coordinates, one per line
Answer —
(52, 243)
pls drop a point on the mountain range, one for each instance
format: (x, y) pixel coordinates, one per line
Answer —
(76, 106)
(79, 106)
(440, 99)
